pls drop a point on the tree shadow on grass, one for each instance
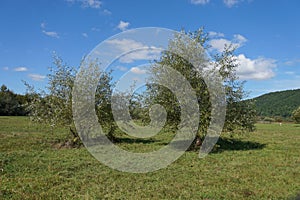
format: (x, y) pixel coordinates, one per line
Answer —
(100, 140)
(135, 140)
(223, 144)
(231, 144)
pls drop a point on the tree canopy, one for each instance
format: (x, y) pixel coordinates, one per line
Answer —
(12, 104)
(296, 115)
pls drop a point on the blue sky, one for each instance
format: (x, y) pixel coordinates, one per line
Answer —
(267, 34)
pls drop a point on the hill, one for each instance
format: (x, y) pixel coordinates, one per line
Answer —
(281, 103)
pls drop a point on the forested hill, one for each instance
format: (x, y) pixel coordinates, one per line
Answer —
(281, 103)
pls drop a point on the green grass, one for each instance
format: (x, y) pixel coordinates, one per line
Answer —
(260, 165)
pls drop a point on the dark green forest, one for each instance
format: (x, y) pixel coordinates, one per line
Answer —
(12, 104)
(278, 104)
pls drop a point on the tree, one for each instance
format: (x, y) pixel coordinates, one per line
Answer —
(240, 114)
(55, 106)
(11, 104)
(296, 115)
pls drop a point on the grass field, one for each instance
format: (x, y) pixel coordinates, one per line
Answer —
(260, 165)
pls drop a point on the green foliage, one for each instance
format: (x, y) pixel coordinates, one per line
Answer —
(281, 103)
(12, 104)
(240, 114)
(296, 115)
(55, 106)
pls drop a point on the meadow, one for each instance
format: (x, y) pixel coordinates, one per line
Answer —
(264, 164)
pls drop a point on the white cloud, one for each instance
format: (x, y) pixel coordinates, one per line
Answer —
(220, 43)
(96, 29)
(51, 34)
(248, 69)
(85, 35)
(20, 69)
(230, 3)
(106, 12)
(87, 3)
(37, 77)
(257, 69)
(137, 70)
(123, 25)
(122, 68)
(126, 44)
(135, 50)
(214, 34)
(43, 25)
(200, 2)
(239, 39)
(5, 68)
(91, 3)
(141, 54)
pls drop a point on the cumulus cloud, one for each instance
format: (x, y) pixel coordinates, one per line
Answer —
(214, 34)
(91, 3)
(257, 69)
(123, 25)
(137, 70)
(87, 3)
(20, 69)
(136, 50)
(51, 34)
(219, 43)
(200, 2)
(239, 39)
(36, 77)
(126, 44)
(230, 3)
(248, 69)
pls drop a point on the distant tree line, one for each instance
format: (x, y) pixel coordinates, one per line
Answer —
(12, 104)
(278, 104)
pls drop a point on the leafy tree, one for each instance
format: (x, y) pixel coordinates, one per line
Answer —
(11, 104)
(240, 114)
(55, 106)
(296, 115)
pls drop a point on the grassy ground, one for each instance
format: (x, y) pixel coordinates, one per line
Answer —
(261, 165)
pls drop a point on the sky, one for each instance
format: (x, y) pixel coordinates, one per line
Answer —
(266, 34)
